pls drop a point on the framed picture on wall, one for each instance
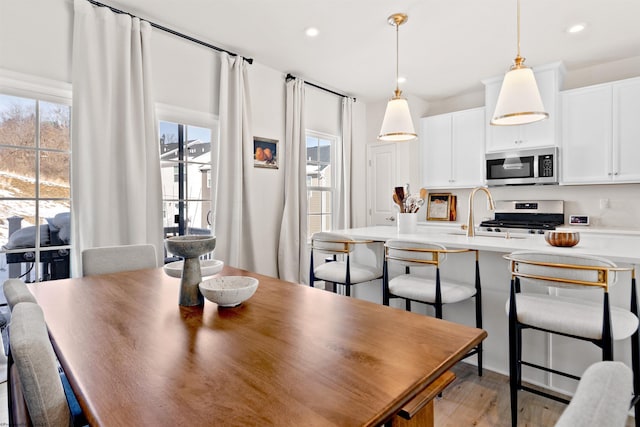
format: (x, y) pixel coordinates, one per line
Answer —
(441, 207)
(265, 153)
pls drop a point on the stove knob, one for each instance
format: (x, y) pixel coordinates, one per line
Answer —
(489, 229)
(532, 231)
(540, 231)
(497, 230)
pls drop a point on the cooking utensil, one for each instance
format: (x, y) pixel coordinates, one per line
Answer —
(400, 193)
(398, 201)
(423, 194)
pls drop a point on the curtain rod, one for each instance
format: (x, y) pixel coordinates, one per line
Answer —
(291, 76)
(170, 31)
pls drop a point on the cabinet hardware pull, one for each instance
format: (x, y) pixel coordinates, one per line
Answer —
(390, 218)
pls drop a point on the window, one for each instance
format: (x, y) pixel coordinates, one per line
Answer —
(35, 190)
(185, 158)
(320, 181)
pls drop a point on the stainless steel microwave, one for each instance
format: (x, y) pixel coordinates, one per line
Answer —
(523, 167)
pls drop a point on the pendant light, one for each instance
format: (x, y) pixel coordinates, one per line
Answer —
(519, 101)
(397, 124)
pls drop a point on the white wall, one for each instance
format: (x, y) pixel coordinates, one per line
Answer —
(36, 39)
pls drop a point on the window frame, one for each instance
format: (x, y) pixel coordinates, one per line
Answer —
(40, 90)
(332, 190)
(187, 117)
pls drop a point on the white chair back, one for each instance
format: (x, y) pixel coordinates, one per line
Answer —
(563, 271)
(113, 259)
(37, 367)
(414, 254)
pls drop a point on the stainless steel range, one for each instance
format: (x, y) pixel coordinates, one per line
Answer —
(525, 216)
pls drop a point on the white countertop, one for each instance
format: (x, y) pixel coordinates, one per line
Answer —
(618, 248)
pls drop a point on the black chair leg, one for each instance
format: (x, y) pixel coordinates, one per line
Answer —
(480, 359)
(513, 357)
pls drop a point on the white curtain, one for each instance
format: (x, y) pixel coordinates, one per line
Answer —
(117, 195)
(231, 165)
(292, 251)
(343, 169)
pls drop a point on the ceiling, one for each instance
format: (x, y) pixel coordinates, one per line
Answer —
(446, 47)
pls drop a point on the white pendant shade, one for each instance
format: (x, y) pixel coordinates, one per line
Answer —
(519, 101)
(397, 125)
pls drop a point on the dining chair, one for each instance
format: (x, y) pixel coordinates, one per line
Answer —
(37, 367)
(340, 269)
(16, 291)
(113, 259)
(416, 257)
(558, 311)
(602, 397)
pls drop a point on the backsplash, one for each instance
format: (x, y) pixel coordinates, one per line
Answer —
(620, 202)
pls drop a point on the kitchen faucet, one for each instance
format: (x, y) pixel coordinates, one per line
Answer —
(470, 226)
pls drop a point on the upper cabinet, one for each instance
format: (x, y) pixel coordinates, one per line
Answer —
(543, 133)
(601, 133)
(453, 149)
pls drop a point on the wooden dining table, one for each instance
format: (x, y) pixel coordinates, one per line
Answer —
(290, 355)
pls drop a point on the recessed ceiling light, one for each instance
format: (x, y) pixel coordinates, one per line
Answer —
(576, 28)
(402, 79)
(311, 32)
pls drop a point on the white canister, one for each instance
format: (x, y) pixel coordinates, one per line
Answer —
(407, 223)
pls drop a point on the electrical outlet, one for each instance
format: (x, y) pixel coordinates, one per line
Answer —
(604, 203)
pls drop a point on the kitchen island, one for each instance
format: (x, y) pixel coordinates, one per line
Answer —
(554, 351)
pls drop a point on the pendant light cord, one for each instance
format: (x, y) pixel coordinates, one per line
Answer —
(518, 14)
(397, 59)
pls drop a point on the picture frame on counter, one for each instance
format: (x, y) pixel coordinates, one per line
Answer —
(265, 153)
(441, 207)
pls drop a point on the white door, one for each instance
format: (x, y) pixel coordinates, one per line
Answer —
(381, 178)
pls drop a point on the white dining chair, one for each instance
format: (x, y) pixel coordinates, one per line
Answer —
(602, 397)
(16, 291)
(113, 259)
(571, 315)
(37, 367)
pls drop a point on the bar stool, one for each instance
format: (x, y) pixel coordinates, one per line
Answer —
(432, 291)
(340, 269)
(572, 317)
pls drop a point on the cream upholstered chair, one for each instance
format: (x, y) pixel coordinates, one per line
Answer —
(37, 367)
(112, 259)
(570, 316)
(15, 291)
(602, 397)
(434, 291)
(341, 269)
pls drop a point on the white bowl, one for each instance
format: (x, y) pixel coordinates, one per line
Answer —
(229, 291)
(208, 267)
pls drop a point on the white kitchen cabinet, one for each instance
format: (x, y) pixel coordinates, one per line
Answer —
(543, 133)
(453, 149)
(601, 133)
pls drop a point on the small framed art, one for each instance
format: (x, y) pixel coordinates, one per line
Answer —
(265, 153)
(441, 207)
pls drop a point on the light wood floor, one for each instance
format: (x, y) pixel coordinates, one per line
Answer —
(484, 402)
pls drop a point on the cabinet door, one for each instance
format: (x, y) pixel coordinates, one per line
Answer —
(626, 131)
(436, 151)
(586, 135)
(468, 148)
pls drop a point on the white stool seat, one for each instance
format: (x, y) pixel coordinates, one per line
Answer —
(422, 289)
(572, 316)
(336, 272)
